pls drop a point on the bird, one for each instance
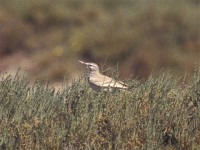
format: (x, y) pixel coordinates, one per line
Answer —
(99, 82)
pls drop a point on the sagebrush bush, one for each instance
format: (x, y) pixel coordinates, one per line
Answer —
(159, 113)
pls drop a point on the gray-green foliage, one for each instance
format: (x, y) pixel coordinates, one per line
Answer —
(160, 113)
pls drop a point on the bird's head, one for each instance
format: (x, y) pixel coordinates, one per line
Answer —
(91, 66)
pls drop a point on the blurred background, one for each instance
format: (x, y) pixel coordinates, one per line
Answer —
(45, 38)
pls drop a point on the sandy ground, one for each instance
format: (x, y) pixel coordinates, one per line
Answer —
(13, 63)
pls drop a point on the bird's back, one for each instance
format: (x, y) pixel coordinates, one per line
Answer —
(103, 81)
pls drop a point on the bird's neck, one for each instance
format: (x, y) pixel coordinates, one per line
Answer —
(91, 73)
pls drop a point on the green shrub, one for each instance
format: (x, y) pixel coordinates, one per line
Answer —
(159, 113)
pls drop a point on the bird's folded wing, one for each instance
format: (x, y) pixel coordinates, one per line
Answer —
(104, 81)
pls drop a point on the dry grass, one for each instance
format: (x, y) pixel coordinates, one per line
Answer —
(159, 113)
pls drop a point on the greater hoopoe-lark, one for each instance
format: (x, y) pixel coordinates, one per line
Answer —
(100, 82)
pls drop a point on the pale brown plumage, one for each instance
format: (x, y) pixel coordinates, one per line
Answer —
(100, 82)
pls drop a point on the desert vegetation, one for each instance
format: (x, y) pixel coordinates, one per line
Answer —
(155, 46)
(158, 113)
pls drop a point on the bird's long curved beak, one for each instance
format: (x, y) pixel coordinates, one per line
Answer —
(82, 62)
